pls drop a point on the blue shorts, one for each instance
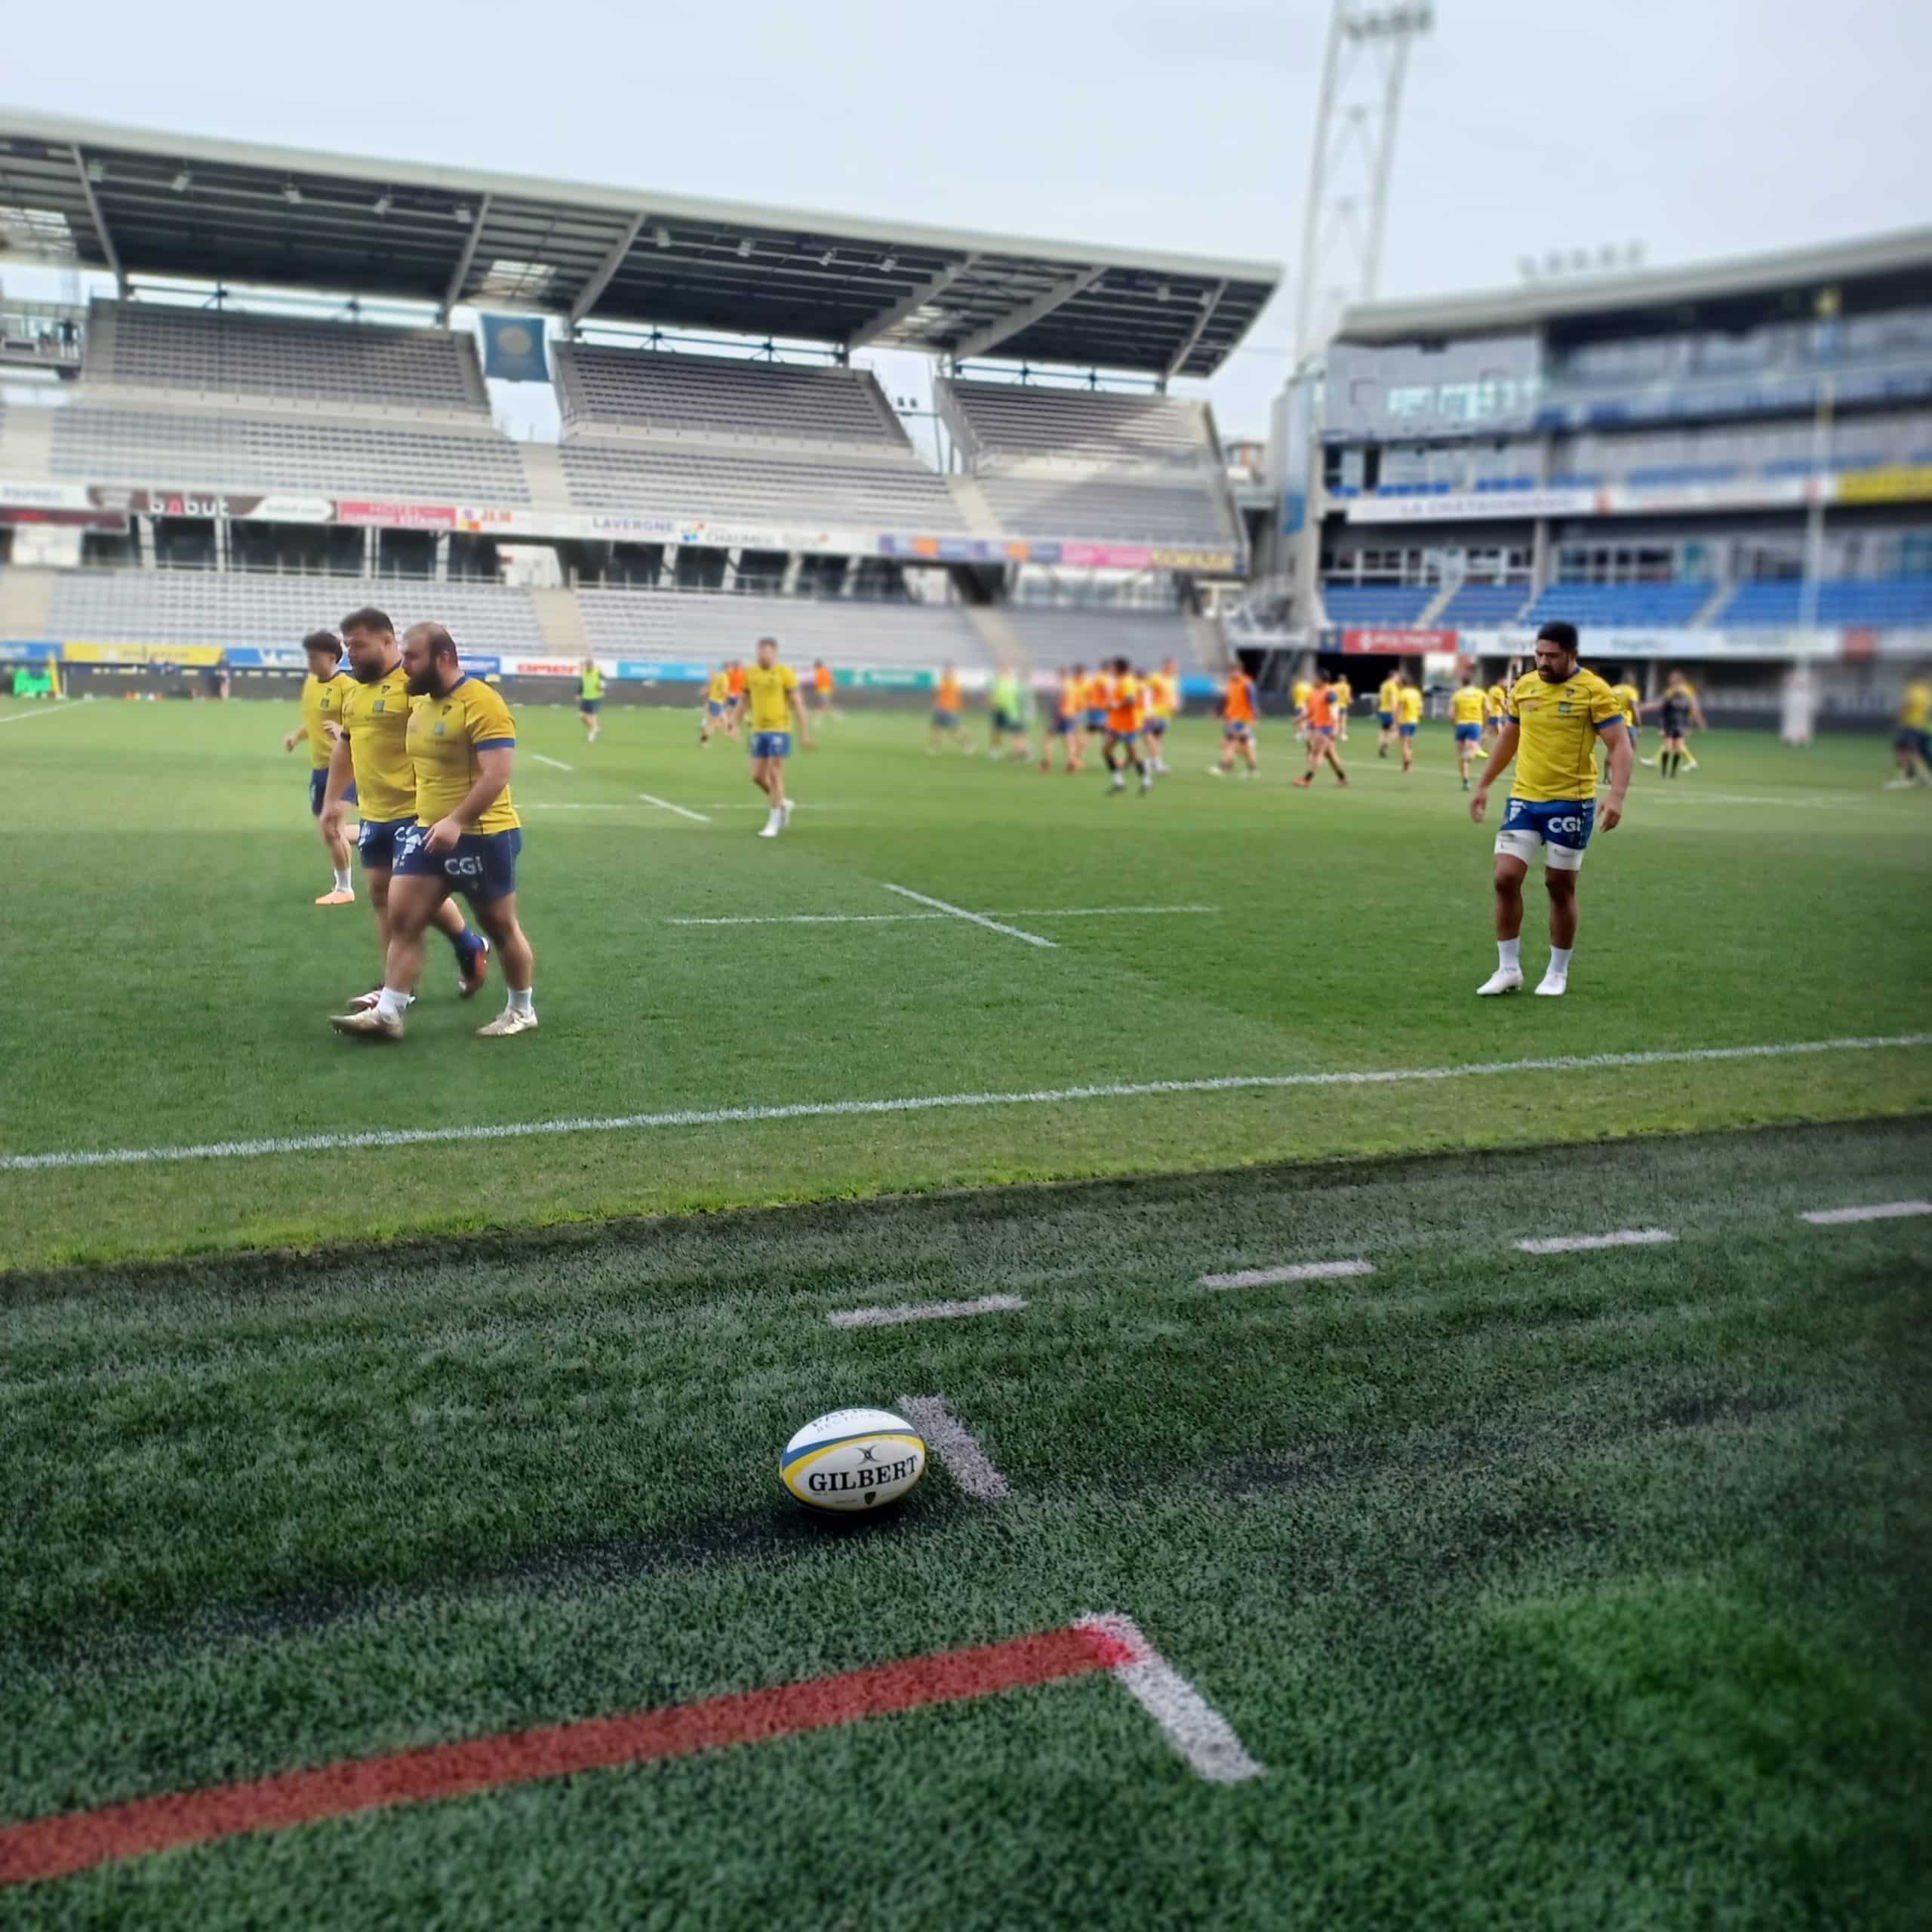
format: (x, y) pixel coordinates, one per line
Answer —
(481, 865)
(945, 721)
(1157, 727)
(1060, 726)
(1237, 727)
(1563, 825)
(1321, 730)
(771, 744)
(1095, 721)
(1407, 731)
(1129, 738)
(590, 706)
(712, 708)
(1910, 740)
(1385, 719)
(1469, 734)
(318, 784)
(377, 844)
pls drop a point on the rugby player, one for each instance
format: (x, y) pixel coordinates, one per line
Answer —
(322, 687)
(1556, 714)
(1064, 723)
(465, 837)
(1238, 716)
(1408, 716)
(371, 761)
(1912, 745)
(1007, 698)
(823, 682)
(718, 702)
(1094, 699)
(1386, 699)
(1161, 689)
(771, 693)
(1678, 710)
(1467, 707)
(1628, 695)
(1319, 729)
(1344, 695)
(734, 678)
(1496, 704)
(1298, 693)
(590, 698)
(946, 714)
(1125, 702)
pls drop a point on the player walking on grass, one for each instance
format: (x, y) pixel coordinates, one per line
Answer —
(1467, 706)
(1298, 693)
(1912, 745)
(771, 695)
(1632, 700)
(946, 706)
(371, 761)
(1124, 718)
(1007, 698)
(822, 683)
(1556, 714)
(1162, 688)
(590, 699)
(1388, 699)
(322, 688)
(1678, 710)
(465, 837)
(1344, 693)
(1064, 723)
(1408, 717)
(1238, 715)
(1496, 704)
(1318, 722)
(718, 703)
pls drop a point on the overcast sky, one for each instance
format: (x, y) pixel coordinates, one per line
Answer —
(1699, 128)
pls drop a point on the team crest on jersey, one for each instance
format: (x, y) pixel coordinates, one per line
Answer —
(438, 731)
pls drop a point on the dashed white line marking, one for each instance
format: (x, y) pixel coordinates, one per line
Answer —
(556, 764)
(53, 710)
(889, 1314)
(1200, 1734)
(960, 912)
(1291, 1271)
(1617, 1238)
(664, 805)
(916, 1103)
(1883, 1210)
(956, 1446)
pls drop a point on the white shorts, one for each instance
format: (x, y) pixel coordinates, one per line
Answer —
(1523, 845)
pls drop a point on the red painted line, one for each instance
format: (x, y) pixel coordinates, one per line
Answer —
(51, 1848)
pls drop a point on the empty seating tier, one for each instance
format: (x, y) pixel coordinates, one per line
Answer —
(685, 627)
(1876, 602)
(720, 399)
(149, 345)
(1397, 603)
(1107, 508)
(1479, 604)
(992, 420)
(1669, 606)
(1057, 638)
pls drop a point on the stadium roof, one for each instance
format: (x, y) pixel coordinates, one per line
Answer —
(133, 202)
(1907, 252)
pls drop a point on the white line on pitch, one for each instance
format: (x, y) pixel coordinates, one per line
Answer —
(960, 912)
(1618, 1238)
(1100, 912)
(1188, 1722)
(664, 804)
(46, 711)
(557, 763)
(956, 1446)
(1292, 1271)
(901, 918)
(1884, 1210)
(889, 1316)
(919, 1103)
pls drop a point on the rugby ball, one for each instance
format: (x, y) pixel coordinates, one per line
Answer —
(852, 1460)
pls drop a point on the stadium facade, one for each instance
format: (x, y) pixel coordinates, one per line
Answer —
(1729, 465)
(269, 417)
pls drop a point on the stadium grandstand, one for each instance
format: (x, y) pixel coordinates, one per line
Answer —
(1729, 465)
(282, 370)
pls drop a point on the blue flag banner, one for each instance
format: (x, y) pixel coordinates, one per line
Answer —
(513, 349)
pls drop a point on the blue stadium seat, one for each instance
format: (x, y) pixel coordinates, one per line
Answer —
(1482, 605)
(1669, 606)
(1376, 603)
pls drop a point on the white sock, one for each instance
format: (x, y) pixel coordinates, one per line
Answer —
(520, 1002)
(1509, 955)
(342, 878)
(390, 1004)
(1559, 962)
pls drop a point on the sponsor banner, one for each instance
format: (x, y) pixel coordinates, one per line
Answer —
(1196, 685)
(29, 651)
(1902, 483)
(1604, 647)
(1215, 561)
(396, 515)
(16, 515)
(513, 349)
(656, 671)
(537, 667)
(1394, 642)
(1106, 556)
(893, 678)
(1620, 498)
(612, 529)
(117, 653)
(265, 657)
(45, 495)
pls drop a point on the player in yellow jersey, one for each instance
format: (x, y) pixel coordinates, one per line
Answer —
(1557, 715)
(772, 699)
(1063, 722)
(1467, 705)
(1408, 717)
(1343, 693)
(1495, 707)
(371, 760)
(590, 699)
(1631, 699)
(1298, 693)
(1912, 743)
(322, 688)
(465, 838)
(1387, 699)
(1161, 691)
(717, 703)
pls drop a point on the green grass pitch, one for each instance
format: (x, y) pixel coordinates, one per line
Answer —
(1583, 1588)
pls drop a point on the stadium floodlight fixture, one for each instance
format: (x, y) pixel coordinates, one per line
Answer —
(291, 194)
(1162, 291)
(182, 182)
(461, 215)
(745, 249)
(826, 260)
(380, 206)
(891, 262)
(96, 172)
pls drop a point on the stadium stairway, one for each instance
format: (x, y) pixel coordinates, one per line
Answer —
(1707, 612)
(544, 476)
(560, 622)
(973, 507)
(1432, 611)
(1004, 644)
(27, 599)
(27, 444)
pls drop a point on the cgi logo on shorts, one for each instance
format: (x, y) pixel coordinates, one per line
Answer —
(1570, 824)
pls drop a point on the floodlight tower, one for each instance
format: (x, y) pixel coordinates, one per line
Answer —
(1362, 74)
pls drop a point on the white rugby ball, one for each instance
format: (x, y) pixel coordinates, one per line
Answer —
(852, 1460)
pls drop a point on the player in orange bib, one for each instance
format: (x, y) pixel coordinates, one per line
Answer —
(1126, 714)
(1063, 722)
(1238, 720)
(946, 708)
(734, 673)
(1318, 717)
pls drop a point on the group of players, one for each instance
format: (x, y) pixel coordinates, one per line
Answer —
(1127, 710)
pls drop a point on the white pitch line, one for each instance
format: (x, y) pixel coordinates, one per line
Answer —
(889, 1316)
(1884, 1210)
(1188, 1722)
(902, 918)
(1100, 912)
(1575, 1243)
(975, 918)
(556, 763)
(664, 804)
(1292, 1271)
(53, 710)
(916, 1104)
(956, 1446)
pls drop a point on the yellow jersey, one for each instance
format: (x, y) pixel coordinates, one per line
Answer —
(1467, 704)
(445, 734)
(322, 704)
(719, 689)
(1161, 694)
(1628, 697)
(769, 689)
(1498, 695)
(375, 720)
(1343, 692)
(1556, 756)
(1298, 691)
(1915, 705)
(1387, 697)
(1408, 705)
